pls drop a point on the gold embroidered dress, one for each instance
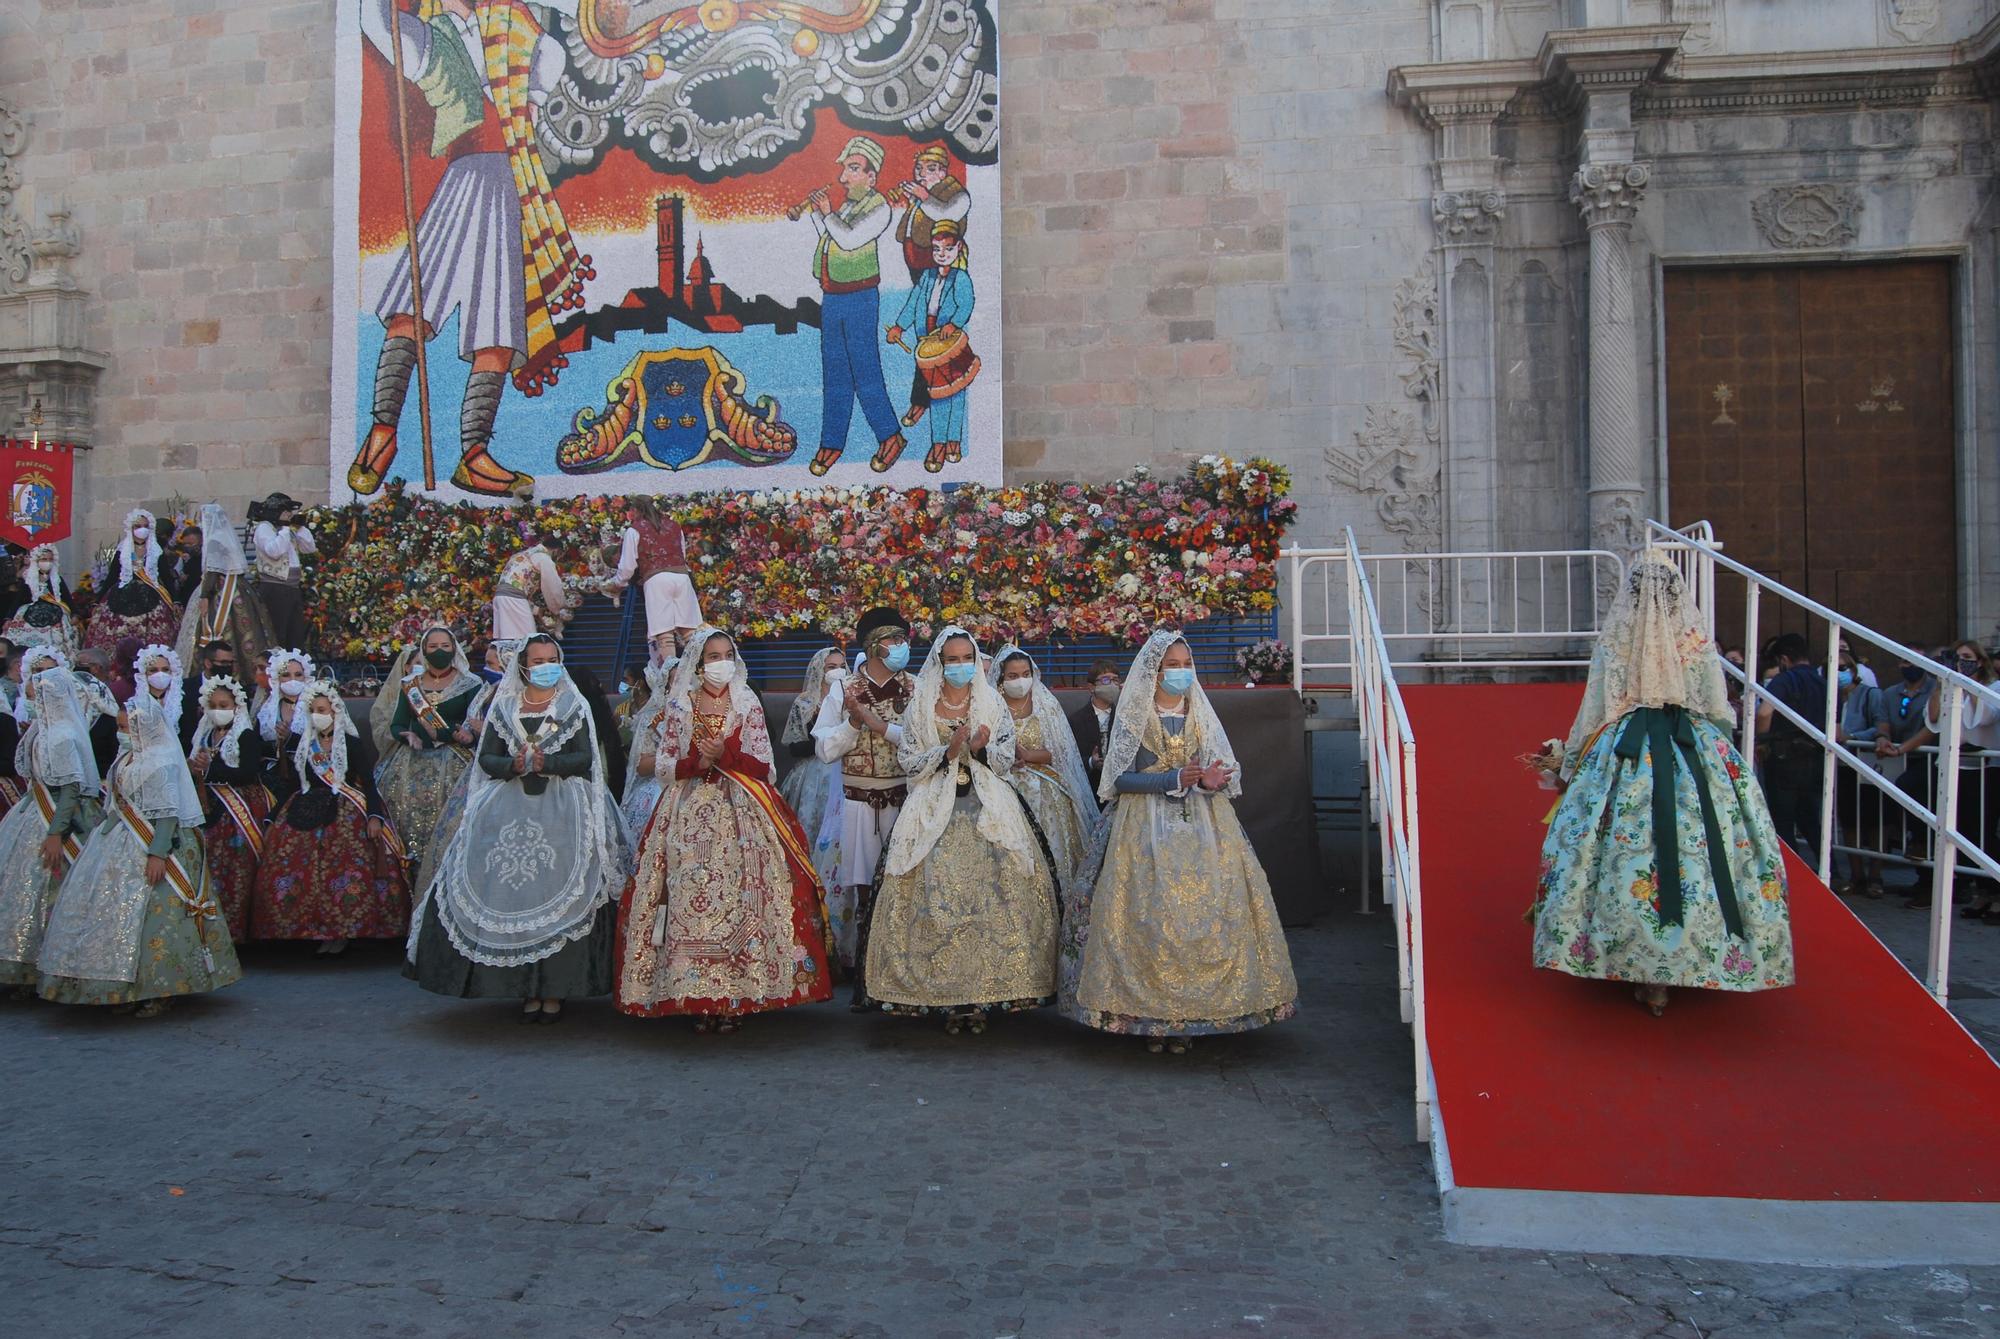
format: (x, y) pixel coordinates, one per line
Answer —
(1176, 934)
(1058, 791)
(964, 912)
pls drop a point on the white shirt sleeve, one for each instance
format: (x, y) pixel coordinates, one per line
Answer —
(955, 212)
(860, 233)
(302, 540)
(834, 736)
(628, 556)
(552, 587)
(269, 542)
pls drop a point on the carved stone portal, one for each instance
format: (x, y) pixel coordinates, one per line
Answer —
(1808, 215)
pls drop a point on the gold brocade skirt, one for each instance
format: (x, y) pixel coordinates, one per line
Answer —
(1179, 935)
(965, 927)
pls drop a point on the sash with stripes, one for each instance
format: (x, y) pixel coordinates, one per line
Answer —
(424, 710)
(10, 791)
(790, 835)
(322, 767)
(47, 804)
(139, 571)
(215, 623)
(237, 806)
(197, 897)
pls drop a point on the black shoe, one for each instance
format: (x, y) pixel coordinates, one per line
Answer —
(547, 1017)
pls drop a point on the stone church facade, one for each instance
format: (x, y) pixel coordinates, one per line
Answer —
(1485, 274)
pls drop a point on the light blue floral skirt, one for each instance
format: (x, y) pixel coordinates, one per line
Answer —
(1600, 910)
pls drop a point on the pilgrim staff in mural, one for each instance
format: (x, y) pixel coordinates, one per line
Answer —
(848, 266)
(940, 305)
(491, 245)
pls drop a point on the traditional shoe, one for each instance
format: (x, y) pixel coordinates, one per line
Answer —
(479, 472)
(548, 1015)
(1177, 1045)
(886, 454)
(1155, 1045)
(725, 1026)
(934, 459)
(953, 453)
(915, 415)
(364, 476)
(704, 1024)
(530, 1013)
(151, 1009)
(824, 459)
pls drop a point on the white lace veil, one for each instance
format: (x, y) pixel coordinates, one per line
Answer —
(645, 719)
(152, 775)
(320, 690)
(805, 707)
(55, 750)
(409, 665)
(33, 659)
(934, 783)
(171, 701)
(151, 557)
(267, 709)
(221, 547)
(686, 682)
(231, 750)
(1057, 737)
(1653, 652)
(1138, 717)
(526, 874)
(37, 588)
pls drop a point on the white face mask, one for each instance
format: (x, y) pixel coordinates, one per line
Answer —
(292, 687)
(836, 674)
(221, 716)
(139, 533)
(719, 672)
(322, 721)
(159, 680)
(1017, 688)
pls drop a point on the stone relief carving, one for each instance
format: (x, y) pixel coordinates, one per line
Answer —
(1912, 20)
(1468, 216)
(14, 252)
(1704, 25)
(1394, 457)
(1810, 214)
(1609, 193)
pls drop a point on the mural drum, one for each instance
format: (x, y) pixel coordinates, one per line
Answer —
(664, 247)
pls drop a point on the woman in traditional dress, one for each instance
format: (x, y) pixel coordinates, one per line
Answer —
(1661, 867)
(136, 921)
(524, 903)
(1171, 933)
(226, 756)
(452, 812)
(332, 869)
(281, 718)
(419, 725)
(44, 831)
(726, 915)
(18, 714)
(963, 917)
(1048, 770)
(814, 788)
(45, 620)
(226, 606)
(643, 773)
(138, 606)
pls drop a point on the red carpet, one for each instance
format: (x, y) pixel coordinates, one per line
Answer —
(1851, 1085)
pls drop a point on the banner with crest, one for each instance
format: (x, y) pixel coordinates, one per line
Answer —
(37, 478)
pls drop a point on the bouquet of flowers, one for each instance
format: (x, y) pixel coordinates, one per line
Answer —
(1267, 661)
(1545, 761)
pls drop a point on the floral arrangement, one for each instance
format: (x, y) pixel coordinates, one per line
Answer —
(1034, 561)
(1268, 660)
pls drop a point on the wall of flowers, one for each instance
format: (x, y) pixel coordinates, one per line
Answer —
(1045, 561)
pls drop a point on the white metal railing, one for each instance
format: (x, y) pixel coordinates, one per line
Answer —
(1957, 696)
(1389, 747)
(1530, 609)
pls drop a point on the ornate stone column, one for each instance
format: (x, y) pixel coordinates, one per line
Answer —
(1608, 196)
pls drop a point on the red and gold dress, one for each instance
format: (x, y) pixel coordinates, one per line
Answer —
(725, 914)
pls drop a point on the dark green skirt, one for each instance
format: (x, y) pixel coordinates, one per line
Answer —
(576, 971)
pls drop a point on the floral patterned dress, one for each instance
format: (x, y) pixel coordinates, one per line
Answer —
(1602, 911)
(323, 876)
(726, 914)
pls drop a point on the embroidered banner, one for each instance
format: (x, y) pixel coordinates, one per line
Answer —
(665, 247)
(37, 484)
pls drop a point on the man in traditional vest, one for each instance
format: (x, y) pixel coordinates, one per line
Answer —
(849, 269)
(859, 729)
(655, 552)
(492, 244)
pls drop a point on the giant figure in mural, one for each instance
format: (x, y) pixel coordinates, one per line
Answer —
(599, 202)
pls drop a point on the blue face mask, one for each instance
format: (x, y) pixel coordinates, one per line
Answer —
(546, 676)
(1177, 681)
(958, 676)
(1847, 678)
(897, 656)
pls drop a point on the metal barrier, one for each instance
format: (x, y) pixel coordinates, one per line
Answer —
(1532, 609)
(1956, 698)
(1389, 747)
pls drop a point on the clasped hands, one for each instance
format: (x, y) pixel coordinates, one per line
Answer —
(1215, 776)
(965, 740)
(529, 759)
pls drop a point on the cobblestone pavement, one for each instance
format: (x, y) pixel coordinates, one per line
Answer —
(324, 1150)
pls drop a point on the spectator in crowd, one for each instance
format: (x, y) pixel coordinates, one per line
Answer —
(1864, 720)
(1978, 785)
(1091, 722)
(1863, 673)
(1793, 762)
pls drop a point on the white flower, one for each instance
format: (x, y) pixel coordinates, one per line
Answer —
(1128, 584)
(1039, 510)
(1016, 518)
(1187, 557)
(1095, 511)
